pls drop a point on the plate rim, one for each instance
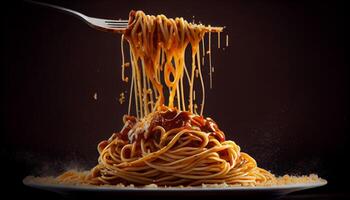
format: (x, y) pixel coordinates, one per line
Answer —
(30, 182)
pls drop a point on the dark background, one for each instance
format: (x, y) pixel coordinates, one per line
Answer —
(280, 88)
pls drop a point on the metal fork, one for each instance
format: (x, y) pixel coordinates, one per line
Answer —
(107, 25)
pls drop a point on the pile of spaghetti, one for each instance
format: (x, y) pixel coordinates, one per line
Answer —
(167, 142)
(171, 147)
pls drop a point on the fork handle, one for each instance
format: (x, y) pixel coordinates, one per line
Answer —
(65, 10)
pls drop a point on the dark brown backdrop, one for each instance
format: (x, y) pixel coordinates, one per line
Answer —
(280, 89)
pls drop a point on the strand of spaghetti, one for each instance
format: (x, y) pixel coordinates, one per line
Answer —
(139, 85)
(203, 49)
(135, 81)
(178, 75)
(194, 50)
(182, 94)
(144, 88)
(178, 96)
(130, 95)
(202, 83)
(150, 94)
(178, 88)
(187, 74)
(210, 73)
(123, 58)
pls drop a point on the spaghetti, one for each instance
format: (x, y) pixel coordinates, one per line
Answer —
(167, 144)
(171, 147)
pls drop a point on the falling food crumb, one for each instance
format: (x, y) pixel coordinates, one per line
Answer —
(121, 98)
(95, 95)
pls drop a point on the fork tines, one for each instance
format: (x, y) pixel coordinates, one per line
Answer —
(117, 23)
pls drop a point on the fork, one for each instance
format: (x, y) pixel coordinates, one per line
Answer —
(107, 25)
